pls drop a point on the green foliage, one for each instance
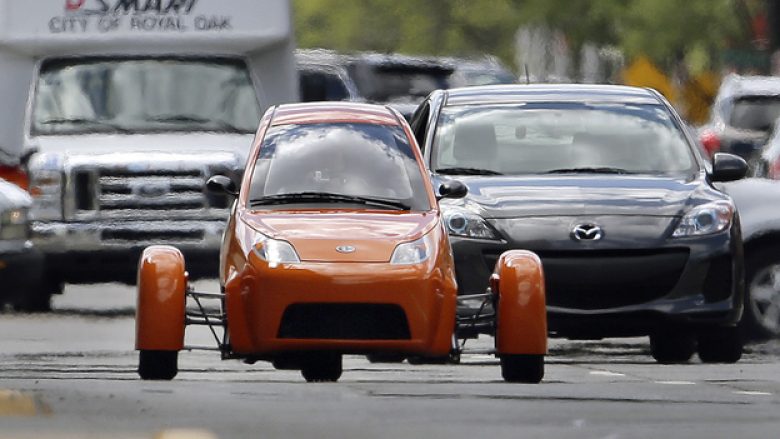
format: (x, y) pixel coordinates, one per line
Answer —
(664, 30)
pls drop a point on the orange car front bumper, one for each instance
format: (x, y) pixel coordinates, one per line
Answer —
(354, 308)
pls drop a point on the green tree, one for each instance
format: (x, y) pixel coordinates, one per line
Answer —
(667, 31)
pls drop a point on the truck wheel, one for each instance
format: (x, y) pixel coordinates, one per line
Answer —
(34, 300)
(522, 368)
(321, 367)
(720, 345)
(38, 297)
(762, 295)
(158, 365)
(668, 347)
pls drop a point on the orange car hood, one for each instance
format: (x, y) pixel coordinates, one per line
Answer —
(316, 236)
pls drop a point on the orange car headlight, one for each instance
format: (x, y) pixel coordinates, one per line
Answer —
(414, 252)
(276, 252)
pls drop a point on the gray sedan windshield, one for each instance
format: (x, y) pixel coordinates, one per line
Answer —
(145, 95)
(560, 138)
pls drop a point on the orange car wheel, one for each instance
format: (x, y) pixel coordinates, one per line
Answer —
(158, 365)
(321, 367)
(521, 333)
(160, 312)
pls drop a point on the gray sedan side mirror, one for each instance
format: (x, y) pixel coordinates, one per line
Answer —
(728, 167)
(452, 189)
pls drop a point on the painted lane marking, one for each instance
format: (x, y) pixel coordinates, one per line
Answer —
(183, 433)
(752, 393)
(606, 373)
(676, 383)
(14, 403)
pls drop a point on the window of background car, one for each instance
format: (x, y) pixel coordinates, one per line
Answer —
(354, 159)
(756, 113)
(139, 95)
(543, 138)
(388, 83)
(322, 86)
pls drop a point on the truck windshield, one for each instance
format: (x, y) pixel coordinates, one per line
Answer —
(145, 95)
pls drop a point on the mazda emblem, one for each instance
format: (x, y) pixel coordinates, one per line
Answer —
(345, 249)
(587, 232)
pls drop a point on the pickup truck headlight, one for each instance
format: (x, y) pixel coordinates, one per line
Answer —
(275, 251)
(46, 191)
(468, 225)
(14, 225)
(414, 252)
(706, 219)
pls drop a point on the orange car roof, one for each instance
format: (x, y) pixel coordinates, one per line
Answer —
(333, 112)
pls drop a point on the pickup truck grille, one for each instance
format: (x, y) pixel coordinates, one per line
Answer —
(151, 190)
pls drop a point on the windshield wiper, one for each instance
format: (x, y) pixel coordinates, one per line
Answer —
(84, 121)
(178, 118)
(467, 171)
(594, 170)
(228, 127)
(327, 197)
(221, 125)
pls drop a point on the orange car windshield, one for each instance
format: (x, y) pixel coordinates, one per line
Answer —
(355, 164)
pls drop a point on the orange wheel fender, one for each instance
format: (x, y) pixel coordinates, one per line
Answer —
(159, 315)
(522, 315)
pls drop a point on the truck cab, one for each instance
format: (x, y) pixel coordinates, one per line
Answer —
(123, 109)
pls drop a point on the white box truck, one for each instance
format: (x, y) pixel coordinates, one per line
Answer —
(122, 109)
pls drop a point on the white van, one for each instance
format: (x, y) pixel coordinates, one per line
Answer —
(125, 108)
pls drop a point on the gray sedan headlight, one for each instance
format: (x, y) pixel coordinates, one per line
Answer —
(706, 219)
(468, 225)
(14, 225)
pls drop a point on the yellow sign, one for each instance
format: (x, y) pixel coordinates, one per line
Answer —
(643, 73)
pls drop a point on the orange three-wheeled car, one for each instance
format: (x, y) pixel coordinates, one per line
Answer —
(335, 245)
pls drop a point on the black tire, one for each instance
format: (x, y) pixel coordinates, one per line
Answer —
(36, 301)
(672, 347)
(385, 358)
(37, 298)
(323, 367)
(527, 369)
(158, 365)
(761, 318)
(286, 362)
(720, 345)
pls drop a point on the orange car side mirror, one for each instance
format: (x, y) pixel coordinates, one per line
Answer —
(222, 185)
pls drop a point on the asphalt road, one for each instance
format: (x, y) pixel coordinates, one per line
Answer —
(71, 374)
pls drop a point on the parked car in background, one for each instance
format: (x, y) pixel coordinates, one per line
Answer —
(606, 185)
(767, 164)
(482, 71)
(757, 200)
(124, 126)
(398, 80)
(323, 76)
(742, 116)
(401, 81)
(21, 265)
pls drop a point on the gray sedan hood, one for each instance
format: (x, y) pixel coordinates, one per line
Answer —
(514, 197)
